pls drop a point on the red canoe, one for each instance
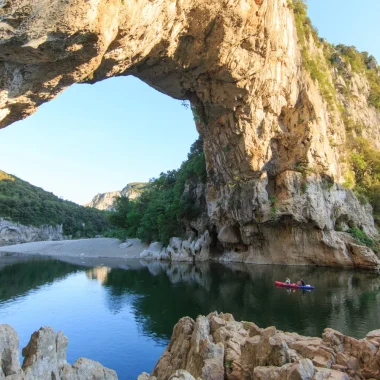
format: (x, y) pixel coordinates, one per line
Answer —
(293, 286)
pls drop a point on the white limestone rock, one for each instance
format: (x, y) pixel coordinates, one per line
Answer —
(126, 244)
(45, 358)
(9, 352)
(155, 251)
(17, 233)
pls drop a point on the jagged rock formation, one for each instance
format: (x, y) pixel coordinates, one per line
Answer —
(347, 252)
(17, 233)
(217, 347)
(105, 201)
(180, 250)
(274, 146)
(45, 358)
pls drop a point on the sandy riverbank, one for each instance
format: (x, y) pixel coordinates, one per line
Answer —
(99, 247)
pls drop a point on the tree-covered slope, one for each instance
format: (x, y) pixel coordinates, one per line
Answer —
(165, 207)
(30, 205)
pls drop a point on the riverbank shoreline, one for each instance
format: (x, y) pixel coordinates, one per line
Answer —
(132, 249)
(92, 248)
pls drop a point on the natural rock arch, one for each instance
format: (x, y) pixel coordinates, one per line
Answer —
(239, 63)
(236, 61)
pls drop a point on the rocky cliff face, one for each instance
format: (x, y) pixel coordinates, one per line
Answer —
(274, 141)
(17, 233)
(218, 347)
(105, 201)
(45, 358)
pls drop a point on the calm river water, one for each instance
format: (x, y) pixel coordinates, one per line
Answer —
(122, 313)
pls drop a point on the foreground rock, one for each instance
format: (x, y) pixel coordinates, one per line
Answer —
(217, 347)
(45, 358)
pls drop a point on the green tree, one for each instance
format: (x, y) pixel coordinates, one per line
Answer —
(164, 207)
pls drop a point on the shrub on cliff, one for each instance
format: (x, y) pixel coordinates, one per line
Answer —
(315, 64)
(365, 162)
(364, 177)
(162, 209)
(360, 63)
(318, 65)
(374, 82)
(362, 238)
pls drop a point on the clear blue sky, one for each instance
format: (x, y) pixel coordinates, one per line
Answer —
(98, 138)
(350, 22)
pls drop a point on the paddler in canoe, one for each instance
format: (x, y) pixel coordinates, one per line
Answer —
(300, 284)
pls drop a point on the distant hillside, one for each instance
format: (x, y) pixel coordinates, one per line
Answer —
(30, 205)
(106, 201)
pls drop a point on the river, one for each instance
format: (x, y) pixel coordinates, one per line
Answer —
(121, 313)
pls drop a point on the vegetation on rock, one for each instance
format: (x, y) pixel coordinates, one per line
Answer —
(24, 203)
(365, 162)
(374, 82)
(362, 238)
(139, 187)
(318, 65)
(162, 209)
(364, 174)
(360, 63)
(315, 64)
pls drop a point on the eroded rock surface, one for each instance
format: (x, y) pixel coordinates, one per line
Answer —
(9, 352)
(218, 347)
(17, 233)
(45, 359)
(274, 147)
(105, 201)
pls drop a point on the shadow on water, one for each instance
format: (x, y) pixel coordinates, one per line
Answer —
(19, 274)
(345, 300)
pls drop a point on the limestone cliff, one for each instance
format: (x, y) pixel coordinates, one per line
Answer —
(14, 233)
(105, 201)
(274, 130)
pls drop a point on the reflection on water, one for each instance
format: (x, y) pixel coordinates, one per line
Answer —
(122, 313)
(345, 300)
(99, 273)
(19, 275)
